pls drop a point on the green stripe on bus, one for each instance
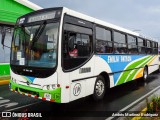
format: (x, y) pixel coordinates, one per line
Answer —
(133, 65)
(136, 70)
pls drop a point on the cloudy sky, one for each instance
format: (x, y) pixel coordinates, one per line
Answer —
(142, 16)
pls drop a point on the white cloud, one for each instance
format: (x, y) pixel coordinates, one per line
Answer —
(154, 9)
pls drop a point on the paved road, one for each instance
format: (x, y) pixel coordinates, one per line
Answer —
(84, 108)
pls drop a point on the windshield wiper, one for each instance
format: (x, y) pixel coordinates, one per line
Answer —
(38, 33)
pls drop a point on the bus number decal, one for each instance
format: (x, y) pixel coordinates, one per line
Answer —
(85, 70)
(77, 89)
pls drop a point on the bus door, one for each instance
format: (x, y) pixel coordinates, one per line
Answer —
(78, 56)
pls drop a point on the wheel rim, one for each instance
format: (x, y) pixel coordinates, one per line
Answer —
(99, 87)
(145, 74)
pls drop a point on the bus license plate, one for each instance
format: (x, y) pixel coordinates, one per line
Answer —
(47, 96)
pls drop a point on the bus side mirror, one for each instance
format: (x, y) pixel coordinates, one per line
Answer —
(3, 32)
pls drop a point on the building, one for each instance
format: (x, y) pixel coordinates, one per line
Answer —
(10, 10)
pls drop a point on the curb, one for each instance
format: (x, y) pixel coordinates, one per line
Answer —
(3, 82)
(138, 118)
(140, 107)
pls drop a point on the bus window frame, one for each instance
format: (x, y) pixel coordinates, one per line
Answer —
(108, 29)
(126, 42)
(144, 44)
(19, 69)
(134, 45)
(149, 47)
(155, 47)
(67, 19)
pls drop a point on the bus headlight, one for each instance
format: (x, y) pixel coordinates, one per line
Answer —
(14, 80)
(50, 87)
(54, 86)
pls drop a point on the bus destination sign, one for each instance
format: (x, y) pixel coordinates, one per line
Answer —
(44, 16)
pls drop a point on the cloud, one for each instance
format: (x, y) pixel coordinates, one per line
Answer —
(154, 9)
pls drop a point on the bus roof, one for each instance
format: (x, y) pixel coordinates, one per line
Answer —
(97, 21)
(100, 22)
(93, 20)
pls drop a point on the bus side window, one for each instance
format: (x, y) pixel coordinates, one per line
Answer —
(120, 43)
(149, 47)
(132, 45)
(77, 45)
(86, 46)
(71, 41)
(141, 46)
(103, 40)
(154, 48)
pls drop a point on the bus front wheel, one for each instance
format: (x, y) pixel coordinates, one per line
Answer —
(99, 88)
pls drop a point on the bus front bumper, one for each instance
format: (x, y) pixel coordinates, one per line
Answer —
(48, 95)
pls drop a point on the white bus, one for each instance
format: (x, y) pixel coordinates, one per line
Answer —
(61, 55)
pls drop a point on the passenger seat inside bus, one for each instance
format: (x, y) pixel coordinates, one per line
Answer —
(82, 50)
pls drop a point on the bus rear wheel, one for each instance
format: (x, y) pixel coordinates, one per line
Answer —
(99, 88)
(158, 71)
(145, 74)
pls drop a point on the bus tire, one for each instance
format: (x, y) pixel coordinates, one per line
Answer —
(158, 71)
(99, 88)
(145, 74)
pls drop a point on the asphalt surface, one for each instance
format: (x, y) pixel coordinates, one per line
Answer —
(84, 109)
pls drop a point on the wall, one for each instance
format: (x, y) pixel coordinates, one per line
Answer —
(11, 10)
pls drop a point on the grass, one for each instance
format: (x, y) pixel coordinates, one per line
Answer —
(153, 107)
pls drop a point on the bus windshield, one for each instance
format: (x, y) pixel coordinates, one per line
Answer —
(35, 46)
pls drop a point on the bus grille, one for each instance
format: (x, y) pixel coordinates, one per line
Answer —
(29, 92)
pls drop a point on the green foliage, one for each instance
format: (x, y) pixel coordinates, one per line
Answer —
(149, 108)
(154, 106)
